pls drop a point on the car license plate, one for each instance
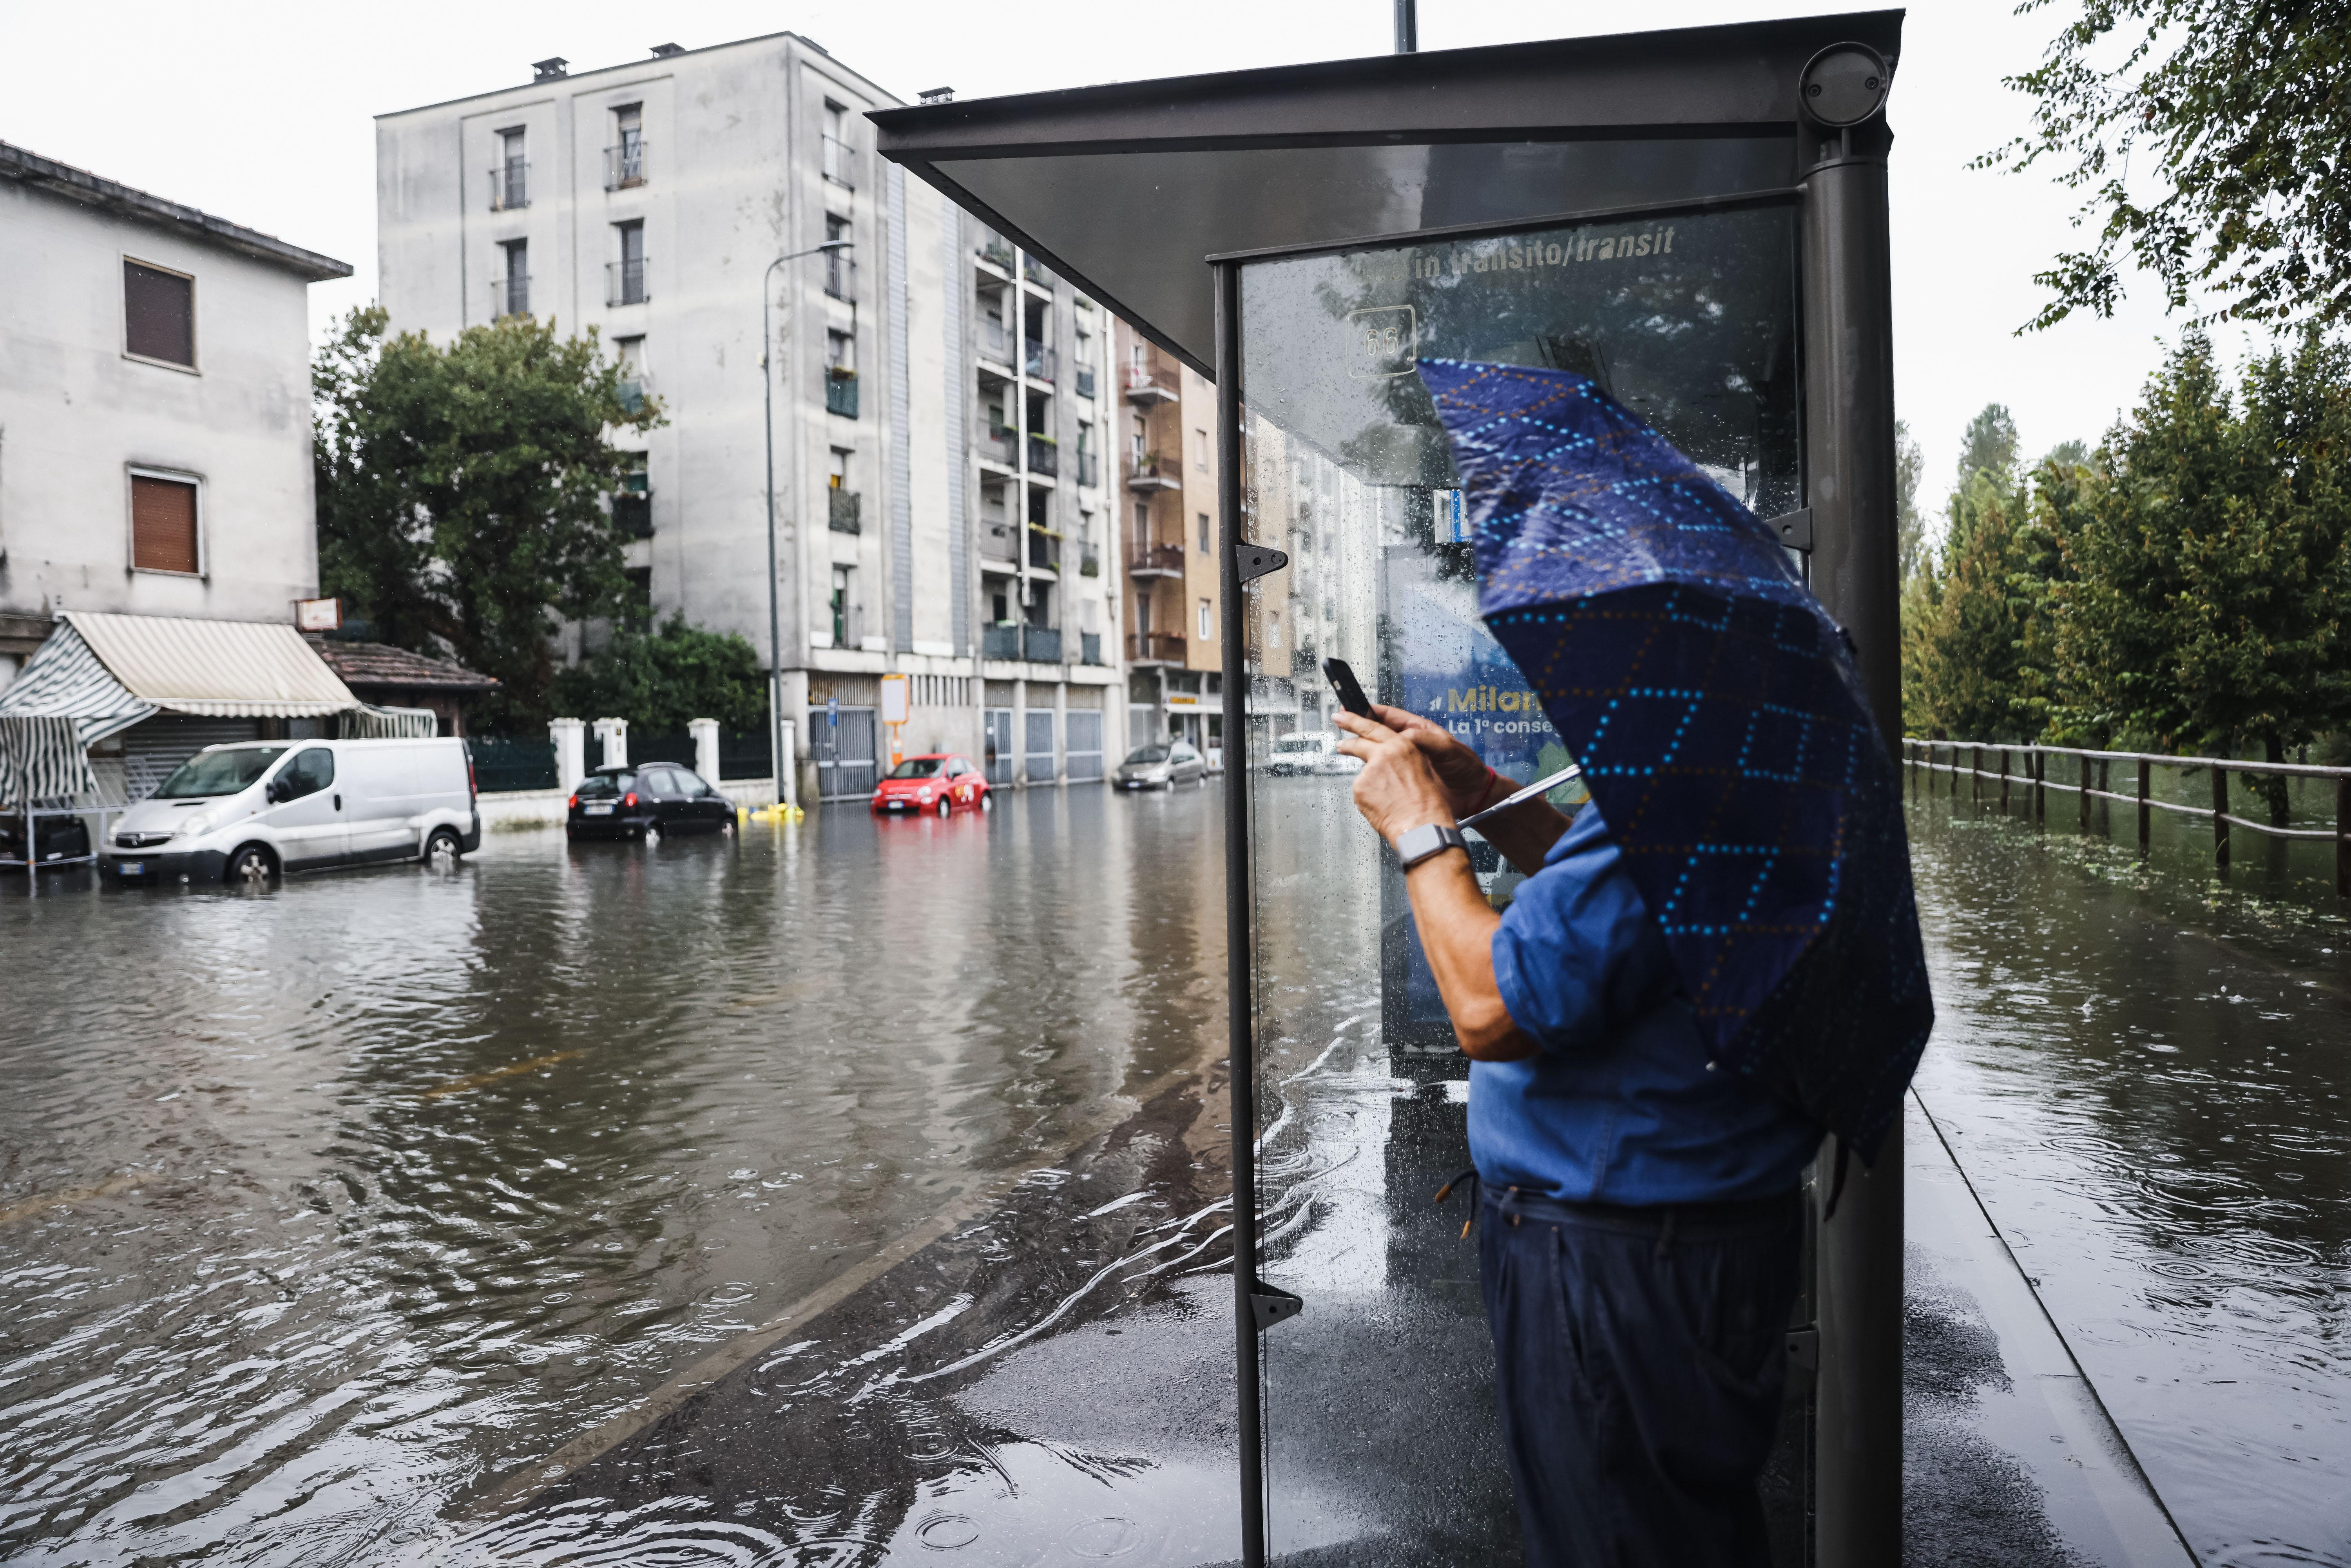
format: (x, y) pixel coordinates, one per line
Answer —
(131, 868)
(598, 810)
(900, 805)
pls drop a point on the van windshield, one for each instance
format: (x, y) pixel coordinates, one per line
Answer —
(218, 772)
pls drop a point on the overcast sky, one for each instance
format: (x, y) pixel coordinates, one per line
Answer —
(261, 113)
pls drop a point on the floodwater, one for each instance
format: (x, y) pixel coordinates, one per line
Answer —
(856, 1194)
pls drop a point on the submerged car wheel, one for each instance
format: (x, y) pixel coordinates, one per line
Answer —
(442, 850)
(946, 805)
(650, 834)
(250, 867)
(988, 800)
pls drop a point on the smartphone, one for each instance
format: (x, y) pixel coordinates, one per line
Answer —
(1351, 691)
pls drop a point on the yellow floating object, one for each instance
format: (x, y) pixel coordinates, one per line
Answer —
(776, 814)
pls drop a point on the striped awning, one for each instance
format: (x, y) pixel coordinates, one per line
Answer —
(66, 679)
(42, 758)
(218, 669)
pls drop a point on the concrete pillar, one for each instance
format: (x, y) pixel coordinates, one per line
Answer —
(570, 752)
(787, 778)
(614, 734)
(1021, 732)
(1061, 731)
(705, 747)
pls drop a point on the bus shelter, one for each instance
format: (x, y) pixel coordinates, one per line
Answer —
(1696, 219)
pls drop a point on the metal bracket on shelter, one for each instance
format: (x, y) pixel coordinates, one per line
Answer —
(1794, 528)
(1803, 1353)
(1270, 1305)
(1256, 560)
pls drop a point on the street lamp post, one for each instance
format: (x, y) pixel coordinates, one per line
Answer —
(768, 423)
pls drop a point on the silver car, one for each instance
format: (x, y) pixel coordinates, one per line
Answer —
(1161, 765)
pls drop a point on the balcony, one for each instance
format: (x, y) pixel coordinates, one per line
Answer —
(1153, 472)
(1044, 550)
(1089, 469)
(632, 513)
(1156, 560)
(510, 185)
(842, 511)
(999, 641)
(1041, 644)
(1042, 364)
(624, 166)
(992, 250)
(1090, 647)
(632, 394)
(624, 282)
(1044, 456)
(840, 163)
(841, 393)
(995, 342)
(1155, 648)
(996, 546)
(1155, 380)
(1036, 272)
(997, 443)
(509, 297)
(1085, 382)
(839, 278)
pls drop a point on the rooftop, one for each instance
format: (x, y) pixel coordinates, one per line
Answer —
(94, 190)
(381, 665)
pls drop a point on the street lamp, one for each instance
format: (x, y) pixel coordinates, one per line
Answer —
(775, 608)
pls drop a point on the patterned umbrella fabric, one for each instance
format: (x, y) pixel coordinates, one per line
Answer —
(1721, 728)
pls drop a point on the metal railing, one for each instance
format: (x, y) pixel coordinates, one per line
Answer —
(1084, 382)
(1044, 456)
(2031, 779)
(844, 511)
(999, 641)
(996, 444)
(839, 278)
(510, 184)
(1089, 469)
(992, 250)
(839, 164)
(1036, 272)
(1154, 471)
(624, 165)
(1041, 644)
(624, 282)
(1044, 550)
(633, 512)
(1168, 559)
(1090, 647)
(1089, 565)
(1155, 380)
(1164, 646)
(632, 394)
(1042, 363)
(510, 295)
(841, 393)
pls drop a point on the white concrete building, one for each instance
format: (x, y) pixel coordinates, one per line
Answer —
(649, 200)
(154, 408)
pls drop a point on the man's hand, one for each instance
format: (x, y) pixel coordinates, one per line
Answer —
(1470, 785)
(1399, 787)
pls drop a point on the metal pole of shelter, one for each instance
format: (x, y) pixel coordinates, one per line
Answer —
(1850, 484)
(1238, 987)
(1407, 26)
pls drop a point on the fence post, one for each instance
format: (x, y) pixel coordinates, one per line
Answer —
(2342, 836)
(1975, 774)
(571, 751)
(705, 747)
(2145, 767)
(2221, 820)
(2040, 787)
(2003, 781)
(2085, 794)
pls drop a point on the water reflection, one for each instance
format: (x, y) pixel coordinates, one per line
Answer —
(2144, 1075)
(433, 1173)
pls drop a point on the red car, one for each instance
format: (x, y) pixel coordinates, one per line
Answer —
(939, 782)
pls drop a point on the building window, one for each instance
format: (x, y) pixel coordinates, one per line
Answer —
(625, 159)
(840, 606)
(165, 535)
(627, 284)
(513, 290)
(839, 268)
(510, 180)
(159, 314)
(1141, 439)
(632, 352)
(837, 167)
(841, 505)
(1200, 450)
(1143, 524)
(841, 373)
(637, 607)
(1205, 548)
(1205, 616)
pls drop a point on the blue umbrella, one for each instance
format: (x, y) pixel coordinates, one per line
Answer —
(1721, 729)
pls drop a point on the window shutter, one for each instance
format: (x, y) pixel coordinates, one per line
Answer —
(159, 313)
(163, 525)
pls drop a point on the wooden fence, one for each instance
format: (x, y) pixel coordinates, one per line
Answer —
(2032, 774)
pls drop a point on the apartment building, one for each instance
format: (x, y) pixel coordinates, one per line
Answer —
(154, 408)
(679, 206)
(1169, 539)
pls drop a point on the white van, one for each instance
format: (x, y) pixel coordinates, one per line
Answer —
(248, 812)
(1310, 751)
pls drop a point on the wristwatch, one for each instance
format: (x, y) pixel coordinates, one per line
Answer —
(1414, 845)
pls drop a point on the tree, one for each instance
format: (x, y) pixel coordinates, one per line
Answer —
(2209, 137)
(461, 492)
(658, 681)
(2211, 581)
(1989, 446)
(1980, 656)
(1909, 524)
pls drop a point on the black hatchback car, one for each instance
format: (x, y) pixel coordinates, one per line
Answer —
(646, 802)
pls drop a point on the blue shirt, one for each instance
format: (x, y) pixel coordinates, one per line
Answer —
(1617, 1105)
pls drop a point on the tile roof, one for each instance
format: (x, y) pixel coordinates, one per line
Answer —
(381, 665)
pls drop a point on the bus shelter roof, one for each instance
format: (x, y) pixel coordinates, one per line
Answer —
(1126, 188)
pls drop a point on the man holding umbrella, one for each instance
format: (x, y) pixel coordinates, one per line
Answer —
(1713, 965)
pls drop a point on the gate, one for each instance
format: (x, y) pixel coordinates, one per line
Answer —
(1082, 760)
(997, 735)
(847, 766)
(1037, 755)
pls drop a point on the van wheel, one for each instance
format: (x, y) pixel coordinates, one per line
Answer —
(651, 835)
(250, 867)
(442, 850)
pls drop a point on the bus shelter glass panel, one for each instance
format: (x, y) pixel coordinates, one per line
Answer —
(1381, 1439)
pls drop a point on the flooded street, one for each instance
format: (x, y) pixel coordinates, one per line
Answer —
(855, 1195)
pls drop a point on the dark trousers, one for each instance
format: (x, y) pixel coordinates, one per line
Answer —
(1639, 1355)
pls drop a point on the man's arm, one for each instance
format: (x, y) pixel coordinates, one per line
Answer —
(1398, 789)
(1524, 833)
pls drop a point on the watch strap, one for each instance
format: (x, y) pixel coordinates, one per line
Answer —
(1414, 845)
